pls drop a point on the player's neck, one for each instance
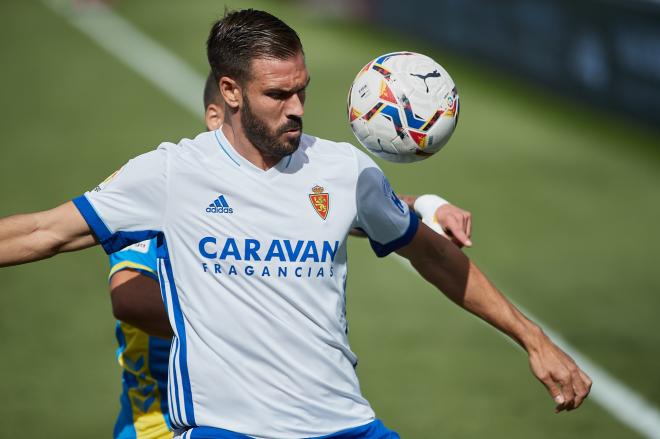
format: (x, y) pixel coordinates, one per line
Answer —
(246, 149)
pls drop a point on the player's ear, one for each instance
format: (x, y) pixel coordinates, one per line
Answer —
(231, 92)
(214, 116)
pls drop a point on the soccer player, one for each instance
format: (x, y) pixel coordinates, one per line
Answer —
(143, 331)
(251, 222)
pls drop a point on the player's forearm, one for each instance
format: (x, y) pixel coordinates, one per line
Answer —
(34, 236)
(19, 240)
(484, 300)
(447, 268)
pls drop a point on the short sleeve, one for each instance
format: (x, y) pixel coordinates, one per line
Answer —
(129, 206)
(140, 256)
(385, 219)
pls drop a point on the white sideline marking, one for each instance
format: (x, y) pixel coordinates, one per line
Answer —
(179, 81)
(139, 52)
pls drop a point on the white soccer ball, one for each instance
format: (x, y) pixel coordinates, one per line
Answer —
(403, 107)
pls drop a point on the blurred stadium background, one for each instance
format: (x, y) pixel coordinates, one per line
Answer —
(551, 156)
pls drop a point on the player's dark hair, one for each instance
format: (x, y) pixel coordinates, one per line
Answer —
(211, 91)
(243, 35)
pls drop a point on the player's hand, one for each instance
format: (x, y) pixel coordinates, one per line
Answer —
(456, 223)
(567, 384)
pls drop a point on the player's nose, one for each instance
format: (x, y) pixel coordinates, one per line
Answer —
(295, 106)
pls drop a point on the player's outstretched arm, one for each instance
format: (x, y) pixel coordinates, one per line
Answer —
(40, 235)
(446, 267)
(136, 300)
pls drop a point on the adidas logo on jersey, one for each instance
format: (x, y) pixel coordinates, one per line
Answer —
(219, 205)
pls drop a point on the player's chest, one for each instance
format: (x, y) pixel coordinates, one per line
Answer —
(310, 204)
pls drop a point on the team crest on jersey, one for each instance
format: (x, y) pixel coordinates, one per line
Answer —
(320, 201)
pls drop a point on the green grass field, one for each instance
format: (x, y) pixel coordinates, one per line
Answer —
(564, 198)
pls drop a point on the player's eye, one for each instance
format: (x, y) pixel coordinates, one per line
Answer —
(278, 95)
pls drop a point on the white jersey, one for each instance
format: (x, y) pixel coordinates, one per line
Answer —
(252, 266)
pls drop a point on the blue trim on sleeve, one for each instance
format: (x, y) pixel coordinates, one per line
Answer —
(382, 250)
(111, 242)
(93, 220)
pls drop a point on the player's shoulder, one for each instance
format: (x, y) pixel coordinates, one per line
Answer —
(186, 153)
(186, 146)
(328, 148)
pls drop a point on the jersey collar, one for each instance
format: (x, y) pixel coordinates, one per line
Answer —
(241, 162)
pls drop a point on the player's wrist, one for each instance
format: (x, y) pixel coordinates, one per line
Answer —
(426, 205)
(532, 338)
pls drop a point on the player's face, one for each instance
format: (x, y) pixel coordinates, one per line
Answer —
(273, 104)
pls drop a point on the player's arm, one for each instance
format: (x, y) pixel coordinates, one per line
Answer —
(446, 267)
(40, 235)
(136, 300)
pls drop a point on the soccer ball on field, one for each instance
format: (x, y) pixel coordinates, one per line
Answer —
(403, 107)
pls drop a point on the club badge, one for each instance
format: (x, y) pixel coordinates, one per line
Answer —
(320, 201)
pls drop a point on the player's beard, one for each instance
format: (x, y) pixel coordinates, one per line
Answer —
(265, 140)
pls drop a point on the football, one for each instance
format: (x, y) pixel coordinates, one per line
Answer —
(403, 107)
